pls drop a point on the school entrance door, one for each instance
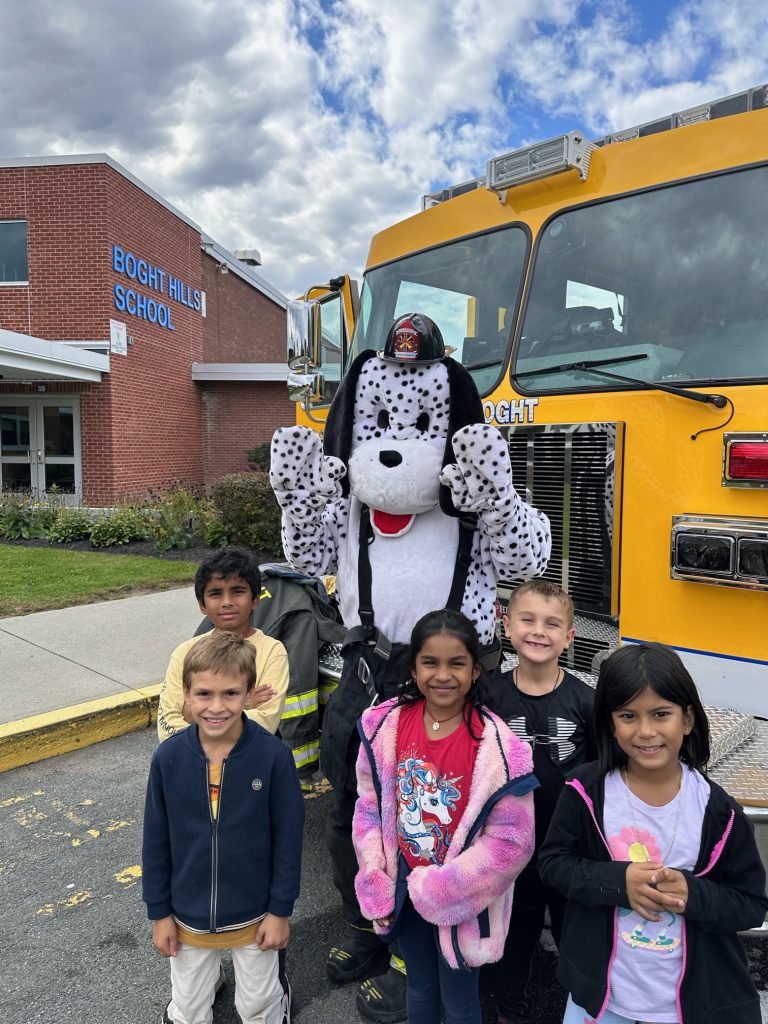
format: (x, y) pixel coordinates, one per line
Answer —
(40, 444)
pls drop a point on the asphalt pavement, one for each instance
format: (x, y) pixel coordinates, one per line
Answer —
(74, 932)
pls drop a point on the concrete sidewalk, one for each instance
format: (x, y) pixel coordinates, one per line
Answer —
(78, 675)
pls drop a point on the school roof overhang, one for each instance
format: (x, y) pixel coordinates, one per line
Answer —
(24, 358)
(202, 372)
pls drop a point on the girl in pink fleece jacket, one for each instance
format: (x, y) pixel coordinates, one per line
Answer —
(443, 823)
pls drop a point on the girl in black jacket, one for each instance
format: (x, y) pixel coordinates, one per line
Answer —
(659, 865)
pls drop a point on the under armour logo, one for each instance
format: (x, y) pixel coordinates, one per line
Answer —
(559, 731)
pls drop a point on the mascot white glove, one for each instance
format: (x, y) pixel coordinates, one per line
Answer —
(480, 481)
(304, 480)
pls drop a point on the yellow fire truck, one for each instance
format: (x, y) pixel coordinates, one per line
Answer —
(610, 299)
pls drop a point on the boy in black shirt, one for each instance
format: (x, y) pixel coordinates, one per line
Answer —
(552, 710)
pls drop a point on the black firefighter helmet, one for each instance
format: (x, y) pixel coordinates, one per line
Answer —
(415, 340)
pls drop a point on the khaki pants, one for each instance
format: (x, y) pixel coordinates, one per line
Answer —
(194, 971)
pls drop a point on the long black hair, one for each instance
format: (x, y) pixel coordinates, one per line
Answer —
(623, 676)
(459, 626)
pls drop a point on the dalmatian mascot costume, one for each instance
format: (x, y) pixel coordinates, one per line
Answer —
(410, 502)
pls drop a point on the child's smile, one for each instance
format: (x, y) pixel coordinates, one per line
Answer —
(650, 731)
(216, 703)
(444, 672)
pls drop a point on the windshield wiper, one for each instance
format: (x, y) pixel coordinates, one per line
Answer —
(591, 366)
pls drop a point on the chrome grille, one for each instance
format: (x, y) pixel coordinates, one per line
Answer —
(569, 471)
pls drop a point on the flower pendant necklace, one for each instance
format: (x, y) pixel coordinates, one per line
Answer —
(437, 722)
(638, 851)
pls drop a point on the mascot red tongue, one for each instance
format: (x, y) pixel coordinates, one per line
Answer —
(389, 524)
(411, 504)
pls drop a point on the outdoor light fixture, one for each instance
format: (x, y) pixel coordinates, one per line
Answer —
(745, 460)
(565, 153)
(724, 550)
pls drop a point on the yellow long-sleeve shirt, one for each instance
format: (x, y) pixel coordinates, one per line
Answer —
(271, 670)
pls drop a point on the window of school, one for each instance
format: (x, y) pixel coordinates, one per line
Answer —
(13, 252)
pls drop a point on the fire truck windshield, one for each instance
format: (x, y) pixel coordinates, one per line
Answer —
(678, 274)
(470, 288)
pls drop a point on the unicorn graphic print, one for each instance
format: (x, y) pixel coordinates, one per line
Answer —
(426, 801)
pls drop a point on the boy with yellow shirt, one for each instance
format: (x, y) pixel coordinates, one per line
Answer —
(227, 588)
(223, 828)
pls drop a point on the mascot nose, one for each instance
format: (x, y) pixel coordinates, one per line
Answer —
(390, 459)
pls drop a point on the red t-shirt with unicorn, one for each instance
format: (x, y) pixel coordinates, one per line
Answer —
(434, 777)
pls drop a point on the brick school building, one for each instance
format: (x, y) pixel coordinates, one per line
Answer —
(135, 351)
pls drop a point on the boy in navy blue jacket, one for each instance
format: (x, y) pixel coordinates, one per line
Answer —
(223, 826)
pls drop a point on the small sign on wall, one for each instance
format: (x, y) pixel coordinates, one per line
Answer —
(118, 338)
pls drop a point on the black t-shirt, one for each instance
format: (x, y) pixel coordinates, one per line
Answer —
(559, 727)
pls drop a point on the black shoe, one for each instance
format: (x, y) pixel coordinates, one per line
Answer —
(354, 958)
(383, 999)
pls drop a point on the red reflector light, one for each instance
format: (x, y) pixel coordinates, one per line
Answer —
(748, 460)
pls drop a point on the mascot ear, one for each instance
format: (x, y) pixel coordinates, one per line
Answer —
(337, 439)
(465, 407)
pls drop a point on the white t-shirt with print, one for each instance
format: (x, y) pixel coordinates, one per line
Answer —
(648, 959)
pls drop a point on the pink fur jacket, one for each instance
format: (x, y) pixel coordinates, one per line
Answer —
(469, 896)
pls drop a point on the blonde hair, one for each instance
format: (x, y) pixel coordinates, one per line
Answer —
(548, 590)
(224, 654)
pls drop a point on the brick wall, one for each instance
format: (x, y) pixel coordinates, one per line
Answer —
(146, 424)
(142, 426)
(238, 416)
(157, 429)
(242, 325)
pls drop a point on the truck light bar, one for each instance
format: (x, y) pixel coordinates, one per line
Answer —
(565, 153)
(738, 103)
(434, 198)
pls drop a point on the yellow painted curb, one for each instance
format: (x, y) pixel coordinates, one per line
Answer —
(28, 740)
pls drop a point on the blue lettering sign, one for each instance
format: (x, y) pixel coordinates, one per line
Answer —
(135, 303)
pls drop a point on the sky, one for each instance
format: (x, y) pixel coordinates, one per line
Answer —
(302, 127)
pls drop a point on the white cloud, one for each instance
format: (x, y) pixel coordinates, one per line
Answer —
(302, 127)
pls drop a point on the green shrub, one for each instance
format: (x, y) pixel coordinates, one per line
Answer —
(248, 511)
(20, 518)
(260, 456)
(70, 524)
(120, 526)
(172, 522)
(208, 525)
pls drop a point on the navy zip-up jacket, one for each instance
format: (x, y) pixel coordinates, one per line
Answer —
(216, 874)
(726, 894)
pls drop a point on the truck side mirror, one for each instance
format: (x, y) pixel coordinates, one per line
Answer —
(303, 334)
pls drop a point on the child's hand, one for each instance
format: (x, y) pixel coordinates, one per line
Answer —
(273, 932)
(260, 695)
(164, 936)
(384, 922)
(674, 884)
(643, 899)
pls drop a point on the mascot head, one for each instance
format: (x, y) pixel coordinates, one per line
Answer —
(394, 416)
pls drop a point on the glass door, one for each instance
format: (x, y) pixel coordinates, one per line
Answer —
(18, 441)
(40, 445)
(58, 448)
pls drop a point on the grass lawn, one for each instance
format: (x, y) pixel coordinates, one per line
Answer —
(35, 579)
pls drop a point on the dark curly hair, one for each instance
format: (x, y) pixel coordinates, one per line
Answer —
(459, 626)
(225, 564)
